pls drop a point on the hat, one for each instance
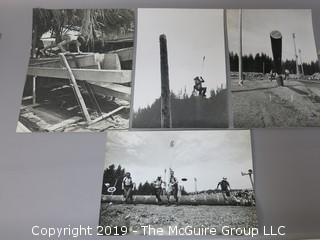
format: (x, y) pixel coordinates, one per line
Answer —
(224, 178)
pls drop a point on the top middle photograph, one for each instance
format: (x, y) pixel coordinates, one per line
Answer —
(180, 69)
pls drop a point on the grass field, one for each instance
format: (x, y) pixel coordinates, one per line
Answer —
(135, 216)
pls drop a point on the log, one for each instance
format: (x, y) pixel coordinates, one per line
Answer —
(104, 76)
(90, 60)
(276, 46)
(200, 199)
(112, 89)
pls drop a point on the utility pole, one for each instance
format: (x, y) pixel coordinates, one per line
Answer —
(165, 88)
(195, 186)
(240, 48)
(302, 70)
(295, 53)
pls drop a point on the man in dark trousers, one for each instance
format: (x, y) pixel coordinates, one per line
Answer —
(198, 86)
(127, 187)
(157, 185)
(225, 188)
(172, 187)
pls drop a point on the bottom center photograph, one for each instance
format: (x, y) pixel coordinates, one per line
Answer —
(178, 183)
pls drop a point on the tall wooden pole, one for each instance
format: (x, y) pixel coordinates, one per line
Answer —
(165, 88)
(240, 48)
(301, 63)
(295, 54)
(34, 96)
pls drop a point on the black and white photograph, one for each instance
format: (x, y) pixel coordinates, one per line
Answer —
(274, 68)
(180, 182)
(180, 69)
(79, 72)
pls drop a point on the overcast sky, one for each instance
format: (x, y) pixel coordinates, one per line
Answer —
(191, 34)
(206, 155)
(257, 25)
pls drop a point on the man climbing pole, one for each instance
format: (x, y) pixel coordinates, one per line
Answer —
(198, 86)
(127, 187)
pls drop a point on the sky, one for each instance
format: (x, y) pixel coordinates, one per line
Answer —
(205, 155)
(191, 35)
(257, 25)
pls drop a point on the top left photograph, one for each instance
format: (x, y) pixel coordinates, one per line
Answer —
(79, 72)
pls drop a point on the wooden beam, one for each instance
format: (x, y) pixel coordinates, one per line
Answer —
(63, 124)
(125, 54)
(111, 89)
(76, 88)
(22, 128)
(34, 96)
(104, 76)
(106, 115)
(89, 59)
(165, 89)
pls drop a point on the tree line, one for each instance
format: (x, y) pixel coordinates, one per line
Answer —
(263, 63)
(187, 111)
(114, 176)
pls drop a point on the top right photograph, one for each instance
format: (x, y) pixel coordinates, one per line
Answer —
(274, 68)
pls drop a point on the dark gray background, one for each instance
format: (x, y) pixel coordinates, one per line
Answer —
(55, 179)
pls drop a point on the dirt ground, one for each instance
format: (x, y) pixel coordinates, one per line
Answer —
(261, 103)
(135, 216)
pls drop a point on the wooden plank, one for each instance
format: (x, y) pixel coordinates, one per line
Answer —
(111, 89)
(63, 124)
(22, 128)
(27, 98)
(76, 88)
(104, 76)
(111, 61)
(125, 54)
(106, 115)
(75, 61)
(34, 85)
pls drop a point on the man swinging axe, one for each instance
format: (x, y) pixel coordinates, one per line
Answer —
(127, 187)
(225, 188)
(157, 186)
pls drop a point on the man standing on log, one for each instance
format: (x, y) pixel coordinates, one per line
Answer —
(172, 187)
(157, 185)
(225, 188)
(127, 187)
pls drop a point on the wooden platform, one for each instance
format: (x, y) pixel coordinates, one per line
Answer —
(104, 76)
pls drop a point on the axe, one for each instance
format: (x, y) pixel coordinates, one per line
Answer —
(249, 173)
